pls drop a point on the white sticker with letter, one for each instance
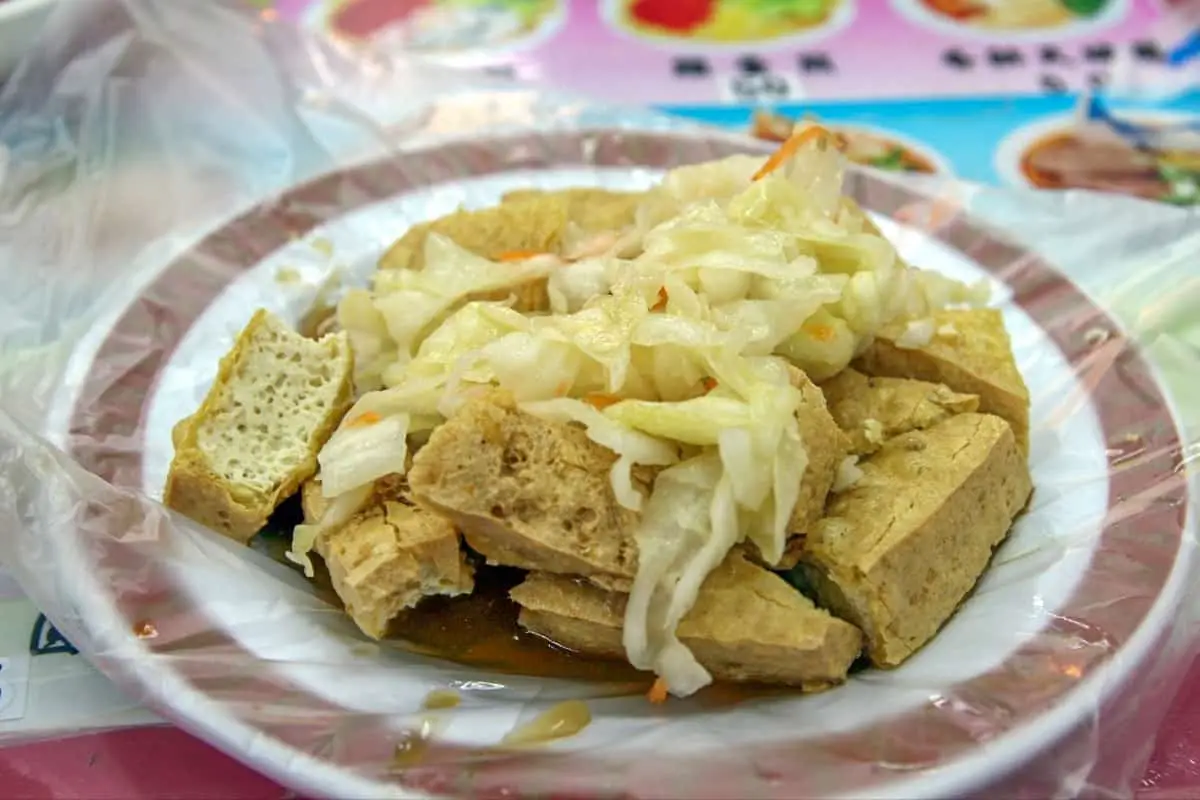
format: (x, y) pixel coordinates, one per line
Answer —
(14, 685)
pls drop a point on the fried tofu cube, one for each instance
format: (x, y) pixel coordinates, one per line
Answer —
(592, 210)
(525, 492)
(899, 551)
(748, 625)
(826, 446)
(971, 354)
(527, 224)
(391, 557)
(275, 402)
(873, 410)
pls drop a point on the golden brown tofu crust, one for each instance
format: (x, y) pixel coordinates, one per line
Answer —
(525, 492)
(826, 446)
(872, 410)
(193, 487)
(899, 551)
(391, 557)
(748, 625)
(970, 353)
(592, 210)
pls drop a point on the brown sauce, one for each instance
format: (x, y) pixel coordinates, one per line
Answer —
(481, 630)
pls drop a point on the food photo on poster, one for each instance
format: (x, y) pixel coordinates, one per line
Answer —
(1015, 18)
(740, 23)
(440, 26)
(1075, 152)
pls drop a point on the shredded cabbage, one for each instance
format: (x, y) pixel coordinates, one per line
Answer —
(679, 535)
(413, 301)
(337, 513)
(690, 325)
(360, 454)
(572, 285)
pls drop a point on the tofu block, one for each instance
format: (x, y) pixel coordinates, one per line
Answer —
(872, 410)
(899, 551)
(527, 225)
(525, 492)
(970, 353)
(391, 557)
(527, 221)
(534, 223)
(748, 625)
(826, 445)
(277, 399)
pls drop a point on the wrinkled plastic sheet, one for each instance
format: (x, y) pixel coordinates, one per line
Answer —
(164, 163)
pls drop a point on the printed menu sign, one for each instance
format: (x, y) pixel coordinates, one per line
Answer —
(985, 89)
(683, 52)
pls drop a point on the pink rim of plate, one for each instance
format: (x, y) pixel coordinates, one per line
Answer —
(1137, 548)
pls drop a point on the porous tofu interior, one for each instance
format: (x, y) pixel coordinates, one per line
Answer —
(262, 423)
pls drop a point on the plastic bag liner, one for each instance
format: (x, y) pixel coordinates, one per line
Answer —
(168, 167)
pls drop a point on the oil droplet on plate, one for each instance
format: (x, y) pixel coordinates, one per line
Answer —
(557, 722)
(440, 699)
(412, 746)
(145, 630)
(323, 247)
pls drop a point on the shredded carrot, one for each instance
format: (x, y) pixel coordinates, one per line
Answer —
(600, 401)
(789, 148)
(661, 303)
(822, 333)
(518, 255)
(709, 384)
(364, 419)
(658, 692)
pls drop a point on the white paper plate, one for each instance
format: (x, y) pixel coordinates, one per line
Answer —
(244, 654)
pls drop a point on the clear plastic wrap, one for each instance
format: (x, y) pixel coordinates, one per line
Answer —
(167, 167)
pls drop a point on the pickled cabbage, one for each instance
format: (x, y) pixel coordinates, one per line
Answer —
(689, 324)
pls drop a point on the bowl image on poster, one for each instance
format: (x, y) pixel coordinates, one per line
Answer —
(443, 26)
(727, 23)
(1024, 19)
(865, 145)
(1066, 153)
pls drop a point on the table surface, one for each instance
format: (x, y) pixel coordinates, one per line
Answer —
(165, 762)
(159, 761)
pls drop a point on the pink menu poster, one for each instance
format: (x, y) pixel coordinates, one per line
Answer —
(689, 52)
(983, 89)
